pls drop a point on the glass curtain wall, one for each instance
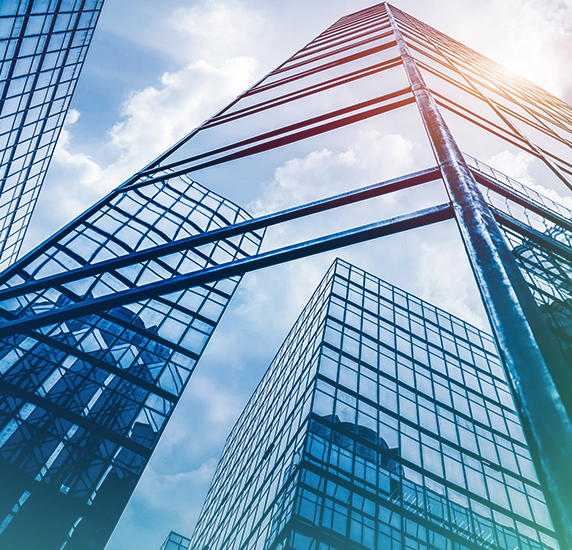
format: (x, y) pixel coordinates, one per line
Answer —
(43, 44)
(383, 422)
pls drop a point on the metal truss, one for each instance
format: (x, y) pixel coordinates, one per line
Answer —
(519, 243)
(114, 298)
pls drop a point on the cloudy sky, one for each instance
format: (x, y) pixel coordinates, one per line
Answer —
(157, 70)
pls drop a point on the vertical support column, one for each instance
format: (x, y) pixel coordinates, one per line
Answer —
(539, 378)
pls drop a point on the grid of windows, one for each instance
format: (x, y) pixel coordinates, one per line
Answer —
(175, 542)
(43, 44)
(265, 443)
(84, 401)
(539, 234)
(548, 272)
(115, 375)
(382, 422)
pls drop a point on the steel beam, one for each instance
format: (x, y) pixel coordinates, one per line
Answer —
(334, 241)
(532, 360)
(248, 226)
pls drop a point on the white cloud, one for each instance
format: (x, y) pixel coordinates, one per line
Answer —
(513, 165)
(81, 164)
(153, 119)
(167, 486)
(221, 406)
(216, 29)
(158, 116)
(373, 157)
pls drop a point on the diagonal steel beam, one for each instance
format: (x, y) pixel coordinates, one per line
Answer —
(286, 135)
(248, 226)
(537, 373)
(303, 249)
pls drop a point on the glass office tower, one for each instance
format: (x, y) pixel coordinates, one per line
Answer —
(84, 401)
(382, 423)
(102, 324)
(43, 44)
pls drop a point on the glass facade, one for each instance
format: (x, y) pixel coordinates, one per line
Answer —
(382, 423)
(175, 542)
(539, 234)
(43, 44)
(474, 113)
(84, 401)
(355, 72)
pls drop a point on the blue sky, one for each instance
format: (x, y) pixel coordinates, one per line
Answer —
(155, 71)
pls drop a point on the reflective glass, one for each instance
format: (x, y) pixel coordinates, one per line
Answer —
(42, 49)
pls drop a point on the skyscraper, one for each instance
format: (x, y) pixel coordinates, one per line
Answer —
(383, 422)
(43, 44)
(118, 288)
(381, 70)
(83, 404)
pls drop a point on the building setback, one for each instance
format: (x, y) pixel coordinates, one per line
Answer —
(43, 44)
(382, 423)
(83, 403)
